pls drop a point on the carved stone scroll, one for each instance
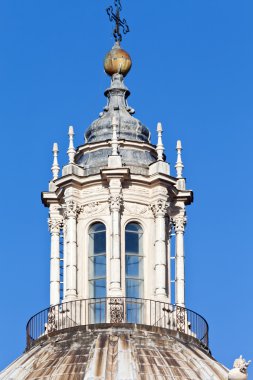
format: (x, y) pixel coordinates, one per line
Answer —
(51, 322)
(180, 318)
(116, 310)
(159, 208)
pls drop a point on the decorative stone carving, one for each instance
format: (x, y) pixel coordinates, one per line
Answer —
(72, 192)
(71, 209)
(160, 190)
(115, 201)
(94, 190)
(137, 209)
(51, 325)
(159, 208)
(239, 372)
(92, 208)
(116, 310)
(55, 225)
(180, 318)
(136, 190)
(179, 222)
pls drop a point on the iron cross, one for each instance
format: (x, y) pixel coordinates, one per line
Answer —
(118, 22)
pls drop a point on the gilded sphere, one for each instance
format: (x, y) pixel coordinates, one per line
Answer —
(117, 61)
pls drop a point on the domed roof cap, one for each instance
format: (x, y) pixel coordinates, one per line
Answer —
(129, 128)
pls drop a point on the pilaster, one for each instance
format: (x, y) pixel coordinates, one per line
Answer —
(179, 221)
(115, 204)
(70, 216)
(159, 208)
(55, 224)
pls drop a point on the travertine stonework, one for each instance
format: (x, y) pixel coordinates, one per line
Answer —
(122, 352)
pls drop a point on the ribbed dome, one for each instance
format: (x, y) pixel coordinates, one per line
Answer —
(125, 352)
(138, 155)
(130, 128)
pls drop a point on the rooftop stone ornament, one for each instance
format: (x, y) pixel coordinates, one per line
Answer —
(117, 60)
(239, 372)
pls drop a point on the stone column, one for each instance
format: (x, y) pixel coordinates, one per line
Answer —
(169, 232)
(71, 251)
(115, 264)
(55, 226)
(159, 209)
(179, 222)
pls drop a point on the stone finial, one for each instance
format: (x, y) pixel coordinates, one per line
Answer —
(239, 372)
(179, 164)
(159, 146)
(71, 150)
(55, 167)
(114, 136)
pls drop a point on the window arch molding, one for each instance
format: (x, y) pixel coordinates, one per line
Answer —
(92, 221)
(134, 220)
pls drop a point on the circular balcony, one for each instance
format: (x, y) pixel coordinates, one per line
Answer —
(114, 311)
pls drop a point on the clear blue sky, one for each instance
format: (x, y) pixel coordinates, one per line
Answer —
(192, 70)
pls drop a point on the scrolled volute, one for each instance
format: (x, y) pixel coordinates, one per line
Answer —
(71, 209)
(159, 208)
(179, 222)
(115, 202)
(55, 225)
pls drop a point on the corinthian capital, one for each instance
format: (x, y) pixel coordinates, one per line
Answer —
(115, 201)
(159, 208)
(179, 222)
(55, 225)
(71, 210)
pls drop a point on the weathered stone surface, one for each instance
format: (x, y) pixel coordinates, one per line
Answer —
(122, 352)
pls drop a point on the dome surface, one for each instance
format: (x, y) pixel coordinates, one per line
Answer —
(123, 352)
(139, 155)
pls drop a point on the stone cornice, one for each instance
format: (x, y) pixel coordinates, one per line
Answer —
(122, 173)
(74, 181)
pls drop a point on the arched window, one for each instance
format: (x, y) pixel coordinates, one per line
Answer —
(97, 270)
(134, 270)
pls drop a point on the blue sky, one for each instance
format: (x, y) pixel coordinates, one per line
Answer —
(192, 70)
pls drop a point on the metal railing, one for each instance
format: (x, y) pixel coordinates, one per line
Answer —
(114, 311)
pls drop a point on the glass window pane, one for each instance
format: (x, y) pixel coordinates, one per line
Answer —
(97, 261)
(132, 242)
(97, 227)
(99, 243)
(99, 265)
(133, 288)
(97, 312)
(134, 312)
(134, 227)
(132, 266)
(97, 288)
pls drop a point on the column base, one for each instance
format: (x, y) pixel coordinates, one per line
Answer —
(71, 297)
(115, 292)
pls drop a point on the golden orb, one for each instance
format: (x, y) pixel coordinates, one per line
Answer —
(118, 61)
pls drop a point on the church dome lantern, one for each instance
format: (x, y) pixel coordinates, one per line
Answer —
(117, 220)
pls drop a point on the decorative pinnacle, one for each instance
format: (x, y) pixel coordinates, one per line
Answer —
(159, 146)
(71, 150)
(55, 167)
(118, 22)
(114, 136)
(179, 164)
